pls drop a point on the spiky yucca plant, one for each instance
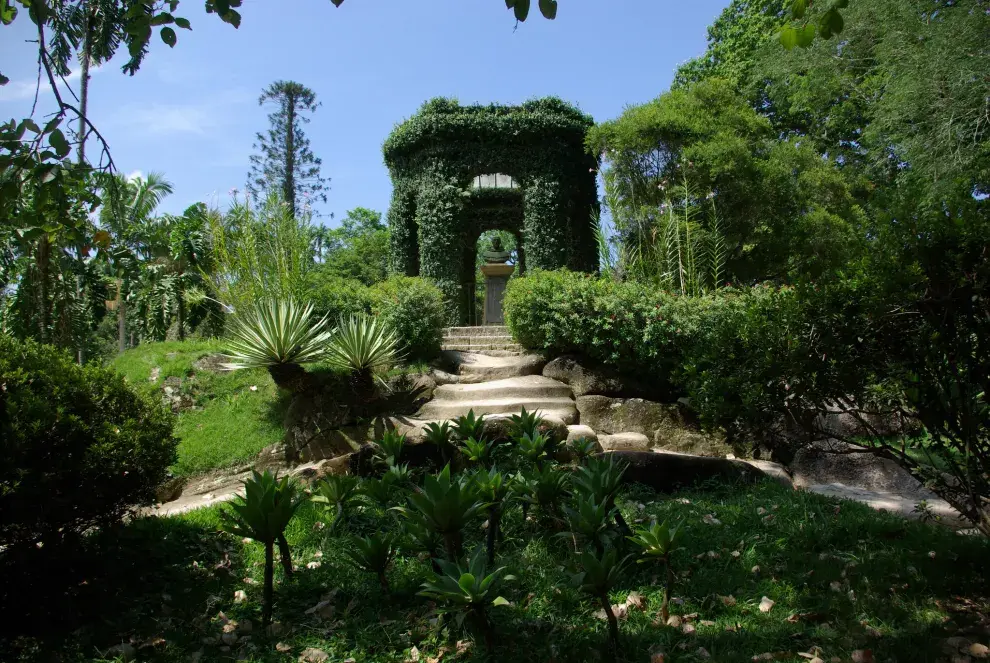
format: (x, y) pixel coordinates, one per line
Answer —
(656, 543)
(469, 590)
(373, 554)
(279, 336)
(583, 448)
(362, 345)
(390, 447)
(533, 447)
(439, 435)
(263, 514)
(478, 452)
(590, 520)
(601, 477)
(525, 423)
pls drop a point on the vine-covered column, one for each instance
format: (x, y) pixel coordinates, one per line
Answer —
(545, 225)
(403, 235)
(439, 208)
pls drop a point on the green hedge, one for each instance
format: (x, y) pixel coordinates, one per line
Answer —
(414, 307)
(336, 297)
(78, 447)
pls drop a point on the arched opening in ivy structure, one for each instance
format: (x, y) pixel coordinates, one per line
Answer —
(459, 171)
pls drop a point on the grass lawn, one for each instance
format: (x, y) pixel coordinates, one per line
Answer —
(842, 578)
(236, 414)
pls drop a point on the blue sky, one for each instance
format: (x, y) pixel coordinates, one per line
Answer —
(192, 112)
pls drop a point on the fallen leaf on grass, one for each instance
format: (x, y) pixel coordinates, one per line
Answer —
(728, 601)
(977, 650)
(674, 621)
(413, 656)
(862, 656)
(835, 586)
(710, 519)
(687, 629)
(313, 655)
(658, 657)
(283, 648)
(240, 596)
(735, 554)
(313, 565)
(463, 646)
(702, 653)
(636, 600)
(766, 604)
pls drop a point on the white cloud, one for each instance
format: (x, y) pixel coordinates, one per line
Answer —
(137, 174)
(21, 90)
(157, 118)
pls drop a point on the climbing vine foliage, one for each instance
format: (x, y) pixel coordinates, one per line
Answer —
(438, 211)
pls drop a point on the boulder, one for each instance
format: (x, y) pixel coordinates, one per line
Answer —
(580, 431)
(314, 444)
(625, 415)
(828, 461)
(624, 442)
(171, 489)
(584, 377)
(666, 472)
(775, 471)
(213, 363)
(669, 426)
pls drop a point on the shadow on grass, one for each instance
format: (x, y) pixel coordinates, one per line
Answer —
(904, 578)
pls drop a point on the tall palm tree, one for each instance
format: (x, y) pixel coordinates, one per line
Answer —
(128, 206)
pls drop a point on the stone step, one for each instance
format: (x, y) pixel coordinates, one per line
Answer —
(489, 330)
(561, 408)
(478, 368)
(527, 387)
(494, 338)
(479, 347)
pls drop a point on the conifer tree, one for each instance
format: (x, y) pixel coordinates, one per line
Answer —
(285, 160)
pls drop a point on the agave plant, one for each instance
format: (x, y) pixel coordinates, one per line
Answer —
(596, 576)
(439, 434)
(373, 554)
(419, 537)
(550, 487)
(390, 447)
(400, 475)
(601, 478)
(445, 506)
(469, 427)
(279, 336)
(380, 491)
(362, 345)
(533, 448)
(589, 520)
(522, 489)
(525, 423)
(494, 488)
(478, 452)
(336, 492)
(583, 448)
(468, 590)
(656, 543)
(263, 514)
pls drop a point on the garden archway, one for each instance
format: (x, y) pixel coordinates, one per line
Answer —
(458, 171)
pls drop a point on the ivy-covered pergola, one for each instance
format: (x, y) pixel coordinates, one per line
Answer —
(438, 209)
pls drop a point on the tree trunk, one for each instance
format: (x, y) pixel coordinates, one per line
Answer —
(43, 261)
(494, 518)
(181, 311)
(487, 632)
(383, 581)
(266, 606)
(292, 377)
(665, 607)
(289, 185)
(121, 317)
(613, 623)
(452, 543)
(285, 554)
(81, 152)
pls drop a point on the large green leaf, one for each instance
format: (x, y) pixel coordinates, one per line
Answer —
(548, 8)
(521, 9)
(58, 142)
(168, 36)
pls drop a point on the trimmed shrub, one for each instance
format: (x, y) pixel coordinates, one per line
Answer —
(78, 447)
(336, 297)
(414, 308)
(631, 327)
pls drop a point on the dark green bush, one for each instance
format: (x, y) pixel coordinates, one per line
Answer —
(335, 296)
(78, 447)
(631, 327)
(414, 308)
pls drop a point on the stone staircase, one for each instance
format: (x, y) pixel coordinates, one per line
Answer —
(493, 340)
(504, 396)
